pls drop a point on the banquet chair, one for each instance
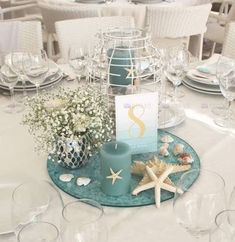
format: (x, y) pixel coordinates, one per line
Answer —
(217, 23)
(20, 36)
(82, 32)
(229, 41)
(52, 13)
(174, 25)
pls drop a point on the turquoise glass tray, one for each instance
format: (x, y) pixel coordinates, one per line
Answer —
(92, 170)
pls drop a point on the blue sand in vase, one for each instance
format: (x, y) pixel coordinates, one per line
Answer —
(115, 158)
(121, 66)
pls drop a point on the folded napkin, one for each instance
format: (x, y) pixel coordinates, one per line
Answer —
(209, 67)
(10, 33)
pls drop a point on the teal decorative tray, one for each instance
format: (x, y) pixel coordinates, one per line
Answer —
(92, 170)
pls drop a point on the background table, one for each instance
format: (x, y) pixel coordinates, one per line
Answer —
(214, 145)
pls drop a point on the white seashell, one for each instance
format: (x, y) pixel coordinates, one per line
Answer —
(178, 149)
(163, 151)
(167, 139)
(185, 159)
(66, 177)
(83, 181)
(166, 145)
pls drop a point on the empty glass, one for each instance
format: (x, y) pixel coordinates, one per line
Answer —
(36, 67)
(225, 73)
(225, 227)
(38, 232)
(10, 79)
(196, 206)
(77, 60)
(82, 221)
(35, 201)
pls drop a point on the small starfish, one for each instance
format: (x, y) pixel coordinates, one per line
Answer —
(114, 175)
(158, 183)
(131, 72)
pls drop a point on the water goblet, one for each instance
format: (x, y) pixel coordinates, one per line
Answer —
(225, 72)
(82, 221)
(77, 60)
(35, 201)
(195, 207)
(10, 79)
(36, 67)
(38, 232)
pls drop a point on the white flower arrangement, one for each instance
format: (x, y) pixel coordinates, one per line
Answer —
(71, 114)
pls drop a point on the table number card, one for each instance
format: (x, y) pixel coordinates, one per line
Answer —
(136, 121)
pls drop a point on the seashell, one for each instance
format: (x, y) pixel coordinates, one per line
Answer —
(66, 177)
(167, 139)
(178, 149)
(163, 151)
(185, 158)
(83, 181)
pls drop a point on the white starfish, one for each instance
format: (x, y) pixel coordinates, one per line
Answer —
(131, 72)
(157, 183)
(114, 176)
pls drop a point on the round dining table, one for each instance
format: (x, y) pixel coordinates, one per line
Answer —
(214, 145)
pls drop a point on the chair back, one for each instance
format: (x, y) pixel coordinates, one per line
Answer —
(229, 41)
(177, 22)
(20, 36)
(52, 13)
(82, 32)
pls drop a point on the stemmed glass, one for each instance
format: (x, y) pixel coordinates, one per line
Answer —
(82, 221)
(177, 64)
(77, 60)
(195, 207)
(36, 67)
(39, 231)
(35, 201)
(9, 78)
(225, 73)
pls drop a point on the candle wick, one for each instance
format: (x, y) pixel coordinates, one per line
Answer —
(115, 146)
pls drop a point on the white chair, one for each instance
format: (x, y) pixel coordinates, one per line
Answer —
(82, 31)
(229, 41)
(217, 23)
(20, 36)
(52, 13)
(11, 13)
(170, 25)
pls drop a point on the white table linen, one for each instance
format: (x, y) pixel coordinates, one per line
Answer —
(214, 145)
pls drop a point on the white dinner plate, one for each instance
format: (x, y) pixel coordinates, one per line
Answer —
(201, 90)
(147, 1)
(202, 77)
(203, 87)
(50, 81)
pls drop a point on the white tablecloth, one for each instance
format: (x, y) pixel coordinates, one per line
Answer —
(214, 145)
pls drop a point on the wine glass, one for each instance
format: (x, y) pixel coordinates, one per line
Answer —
(17, 59)
(225, 72)
(38, 232)
(225, 227)
(36, 67)
(10, 79)
(196, 206)
(177, 64)
(82, 221)
(77, 60)
(35, 201)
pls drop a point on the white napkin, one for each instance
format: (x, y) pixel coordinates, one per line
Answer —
(10, 33)
(209, 67)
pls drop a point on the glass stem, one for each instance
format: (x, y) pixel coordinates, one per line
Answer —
(12, 96)
(24, 86)
(175, 94)
(228, 113)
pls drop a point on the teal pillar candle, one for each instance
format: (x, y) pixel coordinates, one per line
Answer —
(121, 66)
(115, 158)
